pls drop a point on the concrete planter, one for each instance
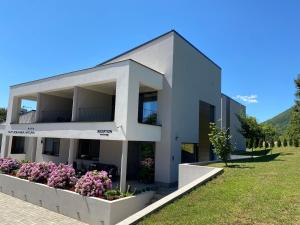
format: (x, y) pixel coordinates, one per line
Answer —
(87, 209)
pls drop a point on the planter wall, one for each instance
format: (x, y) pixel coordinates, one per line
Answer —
(190, 172)
(87, 209)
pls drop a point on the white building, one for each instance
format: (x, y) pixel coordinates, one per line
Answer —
(160, 97)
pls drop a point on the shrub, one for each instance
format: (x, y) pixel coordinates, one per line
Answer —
(146, 172)
(272, 144)
(279, 143)
(221, 142)
(62, 176)
(8, 165)
(40, 172)
(291, 142)
(93, 183)
(296, 143)
(261, 143)
(285, 143)
(25, 170)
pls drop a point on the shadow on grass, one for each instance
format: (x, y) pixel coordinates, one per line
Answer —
(255, 152)
(236, 166)
(265, 158)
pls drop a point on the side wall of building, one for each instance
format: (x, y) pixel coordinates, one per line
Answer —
(195, 79)
(230, 110)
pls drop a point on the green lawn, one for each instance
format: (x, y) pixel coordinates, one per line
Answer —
(265, 190)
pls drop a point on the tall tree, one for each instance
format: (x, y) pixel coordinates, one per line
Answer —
(250, 129)
(294, 126)
(2, 114)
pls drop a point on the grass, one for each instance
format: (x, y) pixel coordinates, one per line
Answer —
(264, 190)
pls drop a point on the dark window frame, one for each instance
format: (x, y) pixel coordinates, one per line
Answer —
(55, 143)
(144, 98)
(89, 146)
(18, 145)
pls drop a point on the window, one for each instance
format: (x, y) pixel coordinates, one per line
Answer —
(189, 152)
(89, 149)
(148, 108)
(51, 146)
(18, 145)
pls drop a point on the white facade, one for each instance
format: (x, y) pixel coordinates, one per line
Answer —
(230, 111)
(170, 66)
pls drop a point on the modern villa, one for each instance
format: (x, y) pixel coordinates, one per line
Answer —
(155, 100)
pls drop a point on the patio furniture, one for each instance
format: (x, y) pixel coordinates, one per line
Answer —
(112, 170)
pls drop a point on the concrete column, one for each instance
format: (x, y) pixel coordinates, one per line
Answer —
(75, 105)
(72, 151)
(123, 166)
(33, 145)
(4, 146)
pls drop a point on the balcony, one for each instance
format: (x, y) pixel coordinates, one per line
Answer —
(28, 117)
(94, 114)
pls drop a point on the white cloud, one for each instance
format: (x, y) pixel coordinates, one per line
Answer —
(250, 99)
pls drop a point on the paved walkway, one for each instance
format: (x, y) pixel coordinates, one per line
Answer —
(14, 211)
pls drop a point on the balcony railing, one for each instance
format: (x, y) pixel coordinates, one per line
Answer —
(28, 117)
(94, 114)
(55, 116)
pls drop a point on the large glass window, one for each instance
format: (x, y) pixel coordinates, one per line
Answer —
(18, 145)
(148, 108)
(89, 149)
(51, 146)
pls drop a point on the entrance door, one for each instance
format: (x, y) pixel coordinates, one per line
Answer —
(206, 116)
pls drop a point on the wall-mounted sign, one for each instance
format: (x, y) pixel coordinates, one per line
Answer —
(29, 131)
(104, 132)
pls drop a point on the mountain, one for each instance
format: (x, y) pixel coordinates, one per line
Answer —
(281, 121)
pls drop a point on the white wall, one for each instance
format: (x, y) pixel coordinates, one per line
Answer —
(92, 99)
(63, 152)
(195, 78)
(111, 152)
(158, 55)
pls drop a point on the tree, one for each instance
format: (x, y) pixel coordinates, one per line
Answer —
(256, 143)
(285, 143)
(268, 133)
(261, 143)
(279, 143)
(266, 145)
(250, 129)
(221, 142)
(2, 114)
(272, 144)
(294, 125)
(296, 143)
(291, 142)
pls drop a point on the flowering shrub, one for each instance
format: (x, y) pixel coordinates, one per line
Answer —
(62, 177)
(8, 165)
(40, 172)
(93, 183)
(148, 162)
(25, 170)
(146, 172)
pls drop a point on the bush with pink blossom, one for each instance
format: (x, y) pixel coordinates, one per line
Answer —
(25, 171)
(62, 177)
(93, 183)
(8, 165)
(40, 171)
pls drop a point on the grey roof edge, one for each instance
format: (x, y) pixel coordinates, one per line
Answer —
(233, 100)
(156, 38)
(82, 70)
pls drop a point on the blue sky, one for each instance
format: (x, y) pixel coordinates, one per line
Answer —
(255, 42)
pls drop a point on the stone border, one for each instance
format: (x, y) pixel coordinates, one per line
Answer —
(204, 174)
(90, 210)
